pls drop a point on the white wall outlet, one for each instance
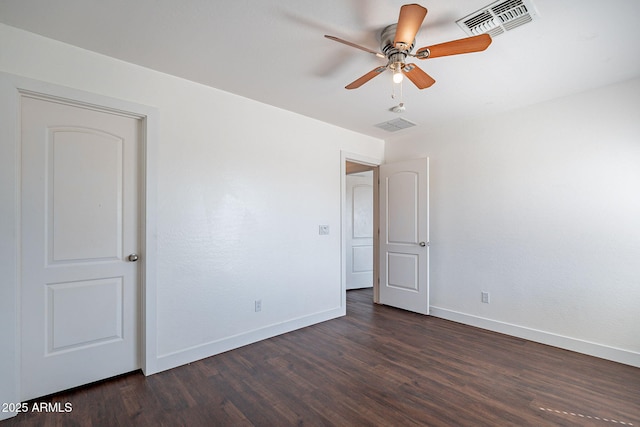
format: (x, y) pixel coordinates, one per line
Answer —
(323, 230)
(485, 297)
(258, 305)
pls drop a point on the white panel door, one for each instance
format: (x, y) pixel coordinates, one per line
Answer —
(404, 235)
(79, 210)
(359, 233)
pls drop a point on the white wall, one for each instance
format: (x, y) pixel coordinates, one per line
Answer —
(241, 190)
(541, 208)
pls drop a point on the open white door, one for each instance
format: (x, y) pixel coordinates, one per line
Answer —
(404, 235)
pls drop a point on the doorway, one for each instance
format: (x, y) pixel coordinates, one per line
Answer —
(401, 231)
(365, 252)
(359, 228)
(12, 89)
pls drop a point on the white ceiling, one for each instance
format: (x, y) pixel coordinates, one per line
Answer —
(274, 51)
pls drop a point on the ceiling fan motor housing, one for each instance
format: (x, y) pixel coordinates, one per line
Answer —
(393, 54)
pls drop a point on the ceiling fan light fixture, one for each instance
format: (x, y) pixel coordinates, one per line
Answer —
(397, 75)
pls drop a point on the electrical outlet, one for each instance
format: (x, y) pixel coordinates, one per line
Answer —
(258, 305)
(485, 297)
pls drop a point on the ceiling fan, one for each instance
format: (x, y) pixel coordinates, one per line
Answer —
(398, 40)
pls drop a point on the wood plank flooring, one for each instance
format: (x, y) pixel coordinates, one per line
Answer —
(378, 366)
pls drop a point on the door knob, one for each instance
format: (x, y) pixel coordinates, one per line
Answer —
(423, 244)
(133, 257)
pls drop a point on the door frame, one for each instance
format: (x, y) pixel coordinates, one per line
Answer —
(373, 163)
(12, 87)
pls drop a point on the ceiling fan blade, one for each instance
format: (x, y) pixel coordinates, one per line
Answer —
(419, 78)
(455, 47)
(362, 80)
(339, 40)
(409, 22)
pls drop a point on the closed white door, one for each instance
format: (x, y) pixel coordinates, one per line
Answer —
(404, 235)
(79, 224)
(359, 230)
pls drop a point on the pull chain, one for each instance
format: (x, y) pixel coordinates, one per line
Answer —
(400, 107)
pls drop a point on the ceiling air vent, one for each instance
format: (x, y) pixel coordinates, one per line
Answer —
(395, 125)
(498, 17)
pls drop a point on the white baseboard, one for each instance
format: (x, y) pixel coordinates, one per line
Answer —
(202, 351)
(585, 347)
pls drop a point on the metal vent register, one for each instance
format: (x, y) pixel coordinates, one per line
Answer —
(498, 17)
(395, 125)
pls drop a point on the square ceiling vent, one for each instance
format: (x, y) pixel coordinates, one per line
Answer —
(396, 125)
(498, 17)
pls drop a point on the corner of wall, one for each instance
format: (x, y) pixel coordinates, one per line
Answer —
(9, 392)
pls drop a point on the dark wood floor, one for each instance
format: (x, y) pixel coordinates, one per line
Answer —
(377, 366)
